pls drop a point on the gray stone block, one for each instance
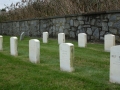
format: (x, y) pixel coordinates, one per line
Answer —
(79, 27)
(73, 28)
(76, 23)
(113, 31)
(80, 18)
(82, 30)
(87, 26)
(96, 34)
(67, 26)
(71, 22)
(72, 34)
(93, 22)
(89, 31)
(81, 22)
(104, 26)
(98, 23)
(116, 25)
(102, 33)
(110, 24)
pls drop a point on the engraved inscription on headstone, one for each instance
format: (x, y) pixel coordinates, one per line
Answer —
(61, 38)
(22, 36)
(66, 57)
(82, 40)
(13, 46)
(45, 37)
(34, 50)
(115, 64)
(109, 41)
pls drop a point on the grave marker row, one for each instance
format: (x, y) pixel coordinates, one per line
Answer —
(66, 51)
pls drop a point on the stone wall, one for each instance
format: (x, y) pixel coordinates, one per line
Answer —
(95, 25)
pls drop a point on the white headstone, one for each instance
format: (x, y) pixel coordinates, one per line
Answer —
(34, 50)
(45, 37)
(22, 36)
(61, 38)
(115, 64)
(109, 41)
(66, 57)
(13, 46)
(1, 42)
(82, 40)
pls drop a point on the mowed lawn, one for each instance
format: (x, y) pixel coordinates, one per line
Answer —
(91, 68)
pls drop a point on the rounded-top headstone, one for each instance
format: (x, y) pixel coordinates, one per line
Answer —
(13, 46)
(82, 39)
(109, 41)
(66, 56)
(1, 42)
(61, 38)
(45, 37)
(34, 50)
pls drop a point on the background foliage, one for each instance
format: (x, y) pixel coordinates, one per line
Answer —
(43, 8)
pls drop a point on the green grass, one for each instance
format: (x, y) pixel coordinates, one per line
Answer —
(91, 68)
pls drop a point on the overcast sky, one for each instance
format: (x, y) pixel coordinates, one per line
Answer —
(7, 2)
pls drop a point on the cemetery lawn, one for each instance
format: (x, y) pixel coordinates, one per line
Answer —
(91, 68)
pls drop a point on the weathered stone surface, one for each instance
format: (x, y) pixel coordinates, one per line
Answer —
(34, 50)
(72, 34)
(118, 17)
(116, 25)
(81, 22)
(79, 27)
(61, 28)
(93, 22)
(15, 29)
(114, 17)
(66, 31)
(94, 28)
(113, 31)
(98, 23)
(82, 30)
(104, 26)
(115, 64)
(96, 33)
(80, 18)
(67, 26)
(68, 20)
(87, 26)
(71, 23)
(66, 51)
(110, 24)
(73, 28)
(76, 23)
(102, 33)
(89, 31)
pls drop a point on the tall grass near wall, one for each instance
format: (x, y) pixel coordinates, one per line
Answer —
(37, 8)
